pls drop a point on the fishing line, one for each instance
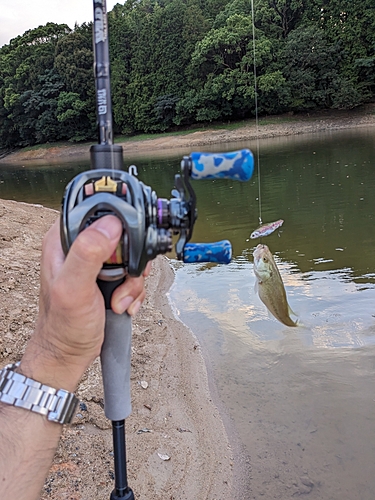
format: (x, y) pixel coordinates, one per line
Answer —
(256, 113)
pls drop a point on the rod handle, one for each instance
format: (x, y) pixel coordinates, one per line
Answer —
(237, 165)
(116, 365)
(219, 252)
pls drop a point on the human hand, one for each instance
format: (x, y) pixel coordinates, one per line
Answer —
(70, 327)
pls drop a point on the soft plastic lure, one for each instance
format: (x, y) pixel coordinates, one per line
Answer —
(266, 229)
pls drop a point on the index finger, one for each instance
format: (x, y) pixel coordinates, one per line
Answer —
(52, 253)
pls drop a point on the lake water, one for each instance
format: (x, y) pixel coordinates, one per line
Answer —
(302, 400)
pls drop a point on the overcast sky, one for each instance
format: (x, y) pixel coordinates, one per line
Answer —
(18, 16)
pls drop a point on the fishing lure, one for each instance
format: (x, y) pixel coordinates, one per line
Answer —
(266, 229)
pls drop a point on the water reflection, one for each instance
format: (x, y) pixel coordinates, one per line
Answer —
(332, 311)
(302, 399)
(40, 184)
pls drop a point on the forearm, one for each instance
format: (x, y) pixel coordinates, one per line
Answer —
(28, 444)
(28, 439)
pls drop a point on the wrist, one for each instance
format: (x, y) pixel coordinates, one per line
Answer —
(49, 368)
(18, 390)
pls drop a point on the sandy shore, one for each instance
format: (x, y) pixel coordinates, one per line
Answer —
(268, 127)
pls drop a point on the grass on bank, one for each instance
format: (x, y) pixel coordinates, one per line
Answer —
(250, 122)
(211, 126)
(175, 133)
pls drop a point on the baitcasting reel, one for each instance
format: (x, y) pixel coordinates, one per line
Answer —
(148, 222)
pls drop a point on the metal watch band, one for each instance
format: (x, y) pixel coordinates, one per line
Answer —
(57, 405)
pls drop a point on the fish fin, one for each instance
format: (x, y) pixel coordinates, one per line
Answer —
(256, 287)
(291, 312)
(297, 322)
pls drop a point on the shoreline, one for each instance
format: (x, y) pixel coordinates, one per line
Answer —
(273, 126)
(180, 409)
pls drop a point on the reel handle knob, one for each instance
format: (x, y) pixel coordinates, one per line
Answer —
(237, 165)
(219, 252)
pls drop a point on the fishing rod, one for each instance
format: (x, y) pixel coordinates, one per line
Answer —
(148, 225)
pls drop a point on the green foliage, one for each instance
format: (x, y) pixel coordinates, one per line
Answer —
(150, 39)
(179, 62)
(311, 65)
(278, 18)
(165, 110)
(73, 60)
(76, 105)
(217, 72)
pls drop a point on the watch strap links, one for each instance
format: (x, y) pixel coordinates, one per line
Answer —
(58, 405)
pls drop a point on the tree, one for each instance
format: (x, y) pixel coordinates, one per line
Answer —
(278, 18)
(177, 62)
(25, 75)
(150, 38)
(222, 73)
(74, 63)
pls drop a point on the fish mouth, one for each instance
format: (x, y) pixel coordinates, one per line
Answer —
(258, 248)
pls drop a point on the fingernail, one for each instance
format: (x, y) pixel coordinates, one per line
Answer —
(109, 226)
(135, 308)
(125, 302)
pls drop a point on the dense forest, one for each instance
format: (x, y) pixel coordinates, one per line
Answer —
(176, 63)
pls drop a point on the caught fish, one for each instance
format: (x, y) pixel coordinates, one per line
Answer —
(270, 286)
(266, 229)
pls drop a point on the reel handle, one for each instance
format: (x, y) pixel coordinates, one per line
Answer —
(219, 252)
(236, 165)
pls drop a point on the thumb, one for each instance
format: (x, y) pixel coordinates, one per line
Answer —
(93, 246)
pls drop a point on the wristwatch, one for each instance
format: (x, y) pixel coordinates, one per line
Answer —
(57, 405)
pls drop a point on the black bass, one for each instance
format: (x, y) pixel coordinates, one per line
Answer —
(270, 286)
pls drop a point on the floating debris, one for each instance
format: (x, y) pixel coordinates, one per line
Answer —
(142, 431)
(144, 384)
(164, 457)
(181, 429)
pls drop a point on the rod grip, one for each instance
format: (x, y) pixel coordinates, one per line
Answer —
(237, 165)
(116, 365)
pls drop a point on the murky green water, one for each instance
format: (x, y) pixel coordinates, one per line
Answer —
(301, 399)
